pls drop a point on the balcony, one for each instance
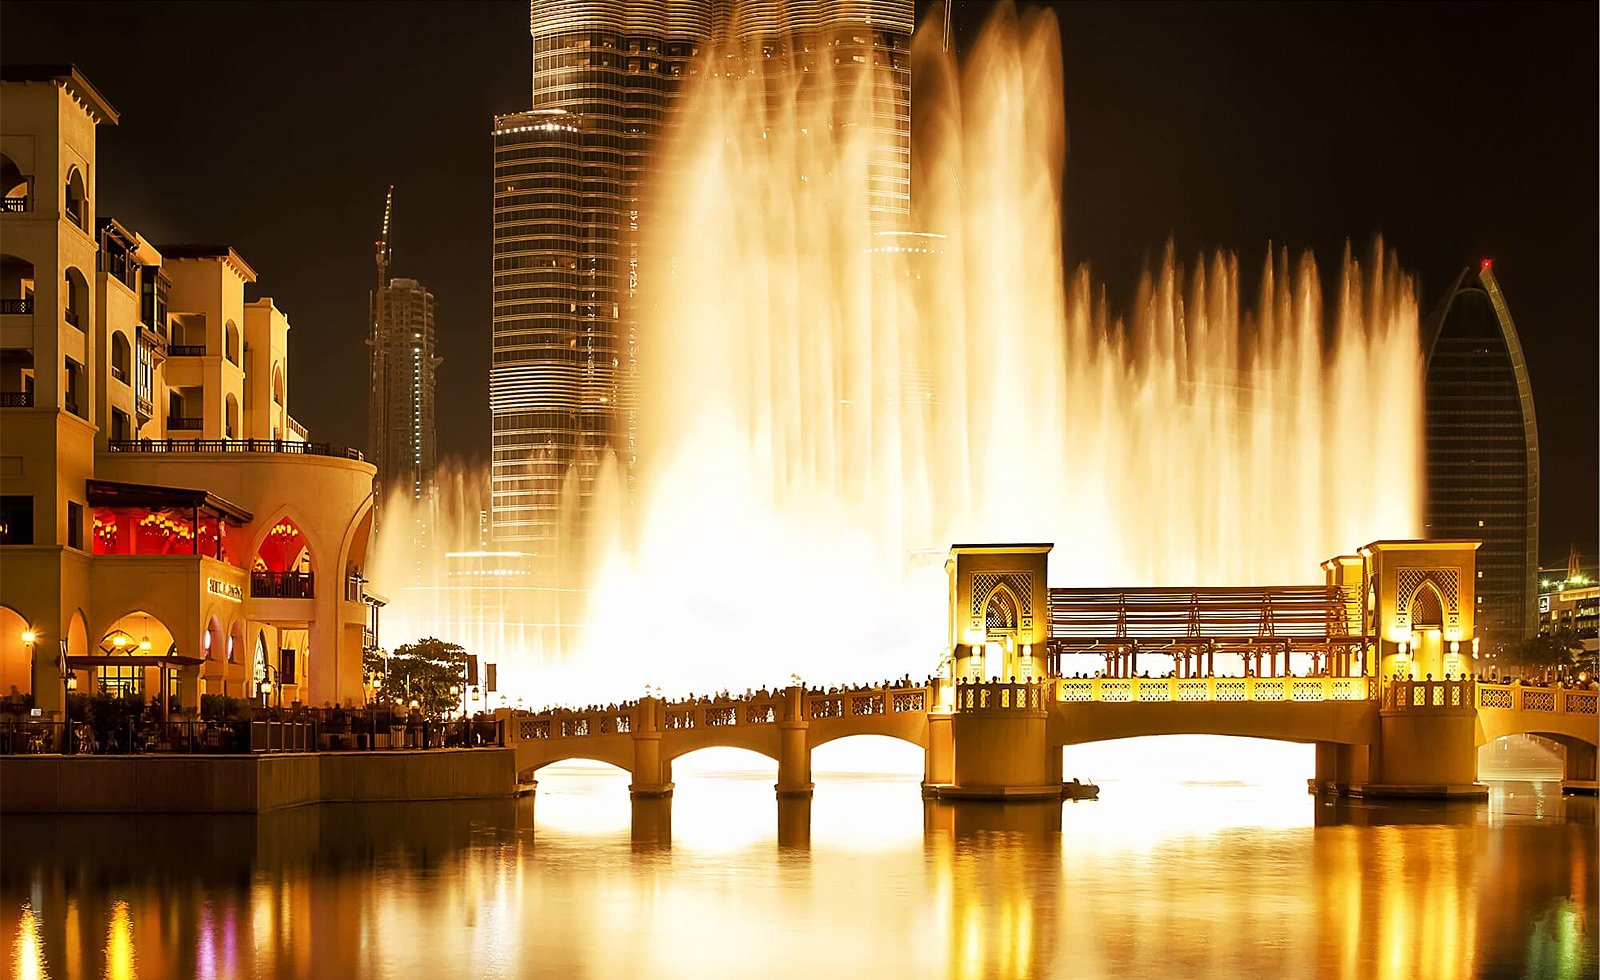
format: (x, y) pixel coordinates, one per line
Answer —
(176, 424)
(16, 399)
(153, 339)
(296, 427)
(72, 317)
(18, 307)
(283, 585)
(15, 205)
(292, 447)
(186, 350)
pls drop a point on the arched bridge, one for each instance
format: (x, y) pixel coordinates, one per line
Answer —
(975, 726)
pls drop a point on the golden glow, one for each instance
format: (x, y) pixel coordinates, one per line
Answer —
(120, 963)
(29, 636)
(820, 413)
(27, 952)
(1205, 859)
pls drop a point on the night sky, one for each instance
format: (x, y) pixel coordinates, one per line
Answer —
(1457, 131)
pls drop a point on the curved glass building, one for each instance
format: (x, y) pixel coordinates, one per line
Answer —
(1483, 450)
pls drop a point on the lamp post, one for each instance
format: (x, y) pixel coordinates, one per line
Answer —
(66, 716)
(29, 638)
(267, 675)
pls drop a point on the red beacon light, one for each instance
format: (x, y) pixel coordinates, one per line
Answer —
(1487, 264)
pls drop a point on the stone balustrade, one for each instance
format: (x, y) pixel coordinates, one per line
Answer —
(1002, 696)
(1169, 689)
(1521, 697)
(1401, 694)
(766, 709)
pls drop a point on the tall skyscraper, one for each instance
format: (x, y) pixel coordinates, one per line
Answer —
(402, 435)
(569, 175)
(1483, 450)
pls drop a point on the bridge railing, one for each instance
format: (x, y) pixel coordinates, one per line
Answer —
(1401, 694)
(765, 709)
(863, 702)
(1002, 696)
(1521, 697)
(1169, 689)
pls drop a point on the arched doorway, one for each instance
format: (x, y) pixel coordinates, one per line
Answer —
(1000, 619)
(16, 659)
(137, 658)
(1427, 632)
(282, 568)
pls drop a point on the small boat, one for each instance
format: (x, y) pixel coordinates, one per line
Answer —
(1077, 790)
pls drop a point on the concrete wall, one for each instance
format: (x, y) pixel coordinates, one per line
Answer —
(248, 784)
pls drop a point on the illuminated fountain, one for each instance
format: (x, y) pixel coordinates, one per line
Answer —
(827, 405)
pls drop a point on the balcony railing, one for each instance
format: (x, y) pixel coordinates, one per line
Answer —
(283, 585)
(179, 424)
(186, 350)
(14, 205)
(16, 399)
(296, 427)
(292, 447)
(20, 306)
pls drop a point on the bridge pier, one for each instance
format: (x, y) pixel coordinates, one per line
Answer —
(1340, 767)
(652, 821)
(652, 775)
(1000, 750)
(1427, 745)
(794, 752)
(939, 759)
(794, 822)
(1579, 775)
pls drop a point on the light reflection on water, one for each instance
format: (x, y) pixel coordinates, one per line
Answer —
(1163, 877)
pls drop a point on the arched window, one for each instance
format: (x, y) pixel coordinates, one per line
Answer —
(121, 356)
(231, 421)
(1427, 611)
(76, 201)
(1000, 613)
(75, 294)
(13, 185)
(231, 342)
(277, 383)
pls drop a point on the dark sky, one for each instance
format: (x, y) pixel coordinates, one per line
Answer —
(1456, 131)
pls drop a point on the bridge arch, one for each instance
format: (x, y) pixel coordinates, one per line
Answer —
(900, 733)
(746, 739)
(529, 763)
(869, 753)
(1561, 727)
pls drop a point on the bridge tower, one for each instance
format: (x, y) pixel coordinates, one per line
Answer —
(994, 745)
(1418, 600)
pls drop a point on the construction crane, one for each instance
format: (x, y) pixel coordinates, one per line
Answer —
(378, 390)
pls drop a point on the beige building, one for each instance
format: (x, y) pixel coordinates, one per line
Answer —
(166, 527)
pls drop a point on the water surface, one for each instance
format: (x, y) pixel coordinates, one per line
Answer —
(1163, 877)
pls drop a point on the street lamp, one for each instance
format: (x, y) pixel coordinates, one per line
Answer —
(29, 637)
(455, 697)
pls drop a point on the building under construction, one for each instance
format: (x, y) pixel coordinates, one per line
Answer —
(402, 439)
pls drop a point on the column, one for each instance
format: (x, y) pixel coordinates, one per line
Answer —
(652, 777)
(794, 755)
